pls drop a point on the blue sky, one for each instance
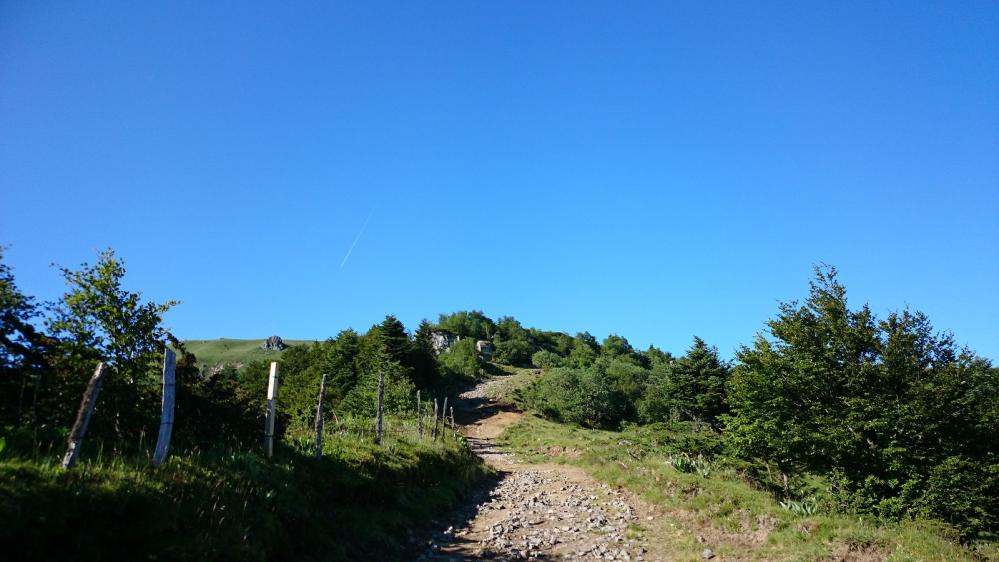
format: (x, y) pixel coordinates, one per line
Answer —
(653, 169)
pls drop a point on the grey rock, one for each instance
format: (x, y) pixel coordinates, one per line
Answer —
(274, 343)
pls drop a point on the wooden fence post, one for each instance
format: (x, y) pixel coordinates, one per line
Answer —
(434, 433)
(454, 428)
(166, 418)
(419, 417)
(272, 386)
(83, 416)
(381, 399)
(319, 418)
(444, 419)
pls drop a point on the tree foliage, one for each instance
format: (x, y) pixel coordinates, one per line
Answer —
(689, 388)
(890, 406)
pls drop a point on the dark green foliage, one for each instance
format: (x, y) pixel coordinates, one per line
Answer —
(616, 346)
(21, 350)
(891, 407)
(512, 352)
(395, 340)
(512, 343)
(339, 362)
(585, 350)
(461, 361)
(555, 342)
(473, 324)
(655, 357)
(546, 360)
(400, 393)
(581, 396)
(689, 388)
(422, 357)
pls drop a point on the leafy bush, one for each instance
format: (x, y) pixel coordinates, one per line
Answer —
(546, 360)
(581, 396)
(461, 361)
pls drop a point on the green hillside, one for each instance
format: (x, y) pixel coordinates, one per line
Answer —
(225, 350)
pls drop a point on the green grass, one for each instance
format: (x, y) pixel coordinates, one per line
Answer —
(736, 519)
(508, 382)
(357, 503)
(225, 350)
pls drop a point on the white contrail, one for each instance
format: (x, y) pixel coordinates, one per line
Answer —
(356, 240)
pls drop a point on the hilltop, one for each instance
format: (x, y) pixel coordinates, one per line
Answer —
(233, 351)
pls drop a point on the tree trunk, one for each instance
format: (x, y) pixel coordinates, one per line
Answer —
(166, 418)
(83, 416)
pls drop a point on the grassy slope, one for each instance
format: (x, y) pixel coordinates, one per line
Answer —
(225, 350)
(354, 504)
(736, 519)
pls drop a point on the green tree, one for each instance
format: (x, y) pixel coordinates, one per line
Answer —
(890, 407)
(461, 361)
(468, 324)
(423, 358)
(97, 317)
(98, 313)
(22, 347)
(395, 340)
(689, 388)
(585, 350)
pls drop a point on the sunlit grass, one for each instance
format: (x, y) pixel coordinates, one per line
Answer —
(357, 501)
(735, 518)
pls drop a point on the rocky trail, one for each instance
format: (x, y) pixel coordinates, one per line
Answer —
(536, 511)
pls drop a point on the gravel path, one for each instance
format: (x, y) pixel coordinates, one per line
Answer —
(533, 511)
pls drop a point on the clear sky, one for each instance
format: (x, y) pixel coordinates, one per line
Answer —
(657, 170)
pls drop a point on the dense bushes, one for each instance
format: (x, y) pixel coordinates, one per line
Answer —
(582, 396)
(898, 419)
(546, 359)
(907, 420)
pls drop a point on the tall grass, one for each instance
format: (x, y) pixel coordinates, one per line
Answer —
(357, 502)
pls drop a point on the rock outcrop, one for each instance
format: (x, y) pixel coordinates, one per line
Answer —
(442, 340)
(274, 343)
(485, 348)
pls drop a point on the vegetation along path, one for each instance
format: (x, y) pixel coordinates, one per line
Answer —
(537, 511)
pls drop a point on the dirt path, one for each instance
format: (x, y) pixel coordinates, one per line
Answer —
(536, 511)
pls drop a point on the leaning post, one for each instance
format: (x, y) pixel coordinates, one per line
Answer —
(83, 416)
(272, 386)
(434, 432)
(319, 418)
(419, 417)
(444, 418)
(381, 401)
(166, 418)
(454, 427)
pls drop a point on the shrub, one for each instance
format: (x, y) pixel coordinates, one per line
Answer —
(581, 396)
(546, 360)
